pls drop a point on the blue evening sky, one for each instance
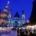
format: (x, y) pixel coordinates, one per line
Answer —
(19, 5)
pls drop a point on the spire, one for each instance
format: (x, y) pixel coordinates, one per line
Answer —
(23, 15)
(17, 15)
(33, 14)
(10, 14)
(22, 11)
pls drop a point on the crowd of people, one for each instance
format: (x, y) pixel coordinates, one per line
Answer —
(26, 32)
(21, 32)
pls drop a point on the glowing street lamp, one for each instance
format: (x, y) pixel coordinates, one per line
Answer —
(27, 21)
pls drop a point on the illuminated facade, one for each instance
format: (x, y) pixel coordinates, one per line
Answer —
(16, 21)
(7, 20)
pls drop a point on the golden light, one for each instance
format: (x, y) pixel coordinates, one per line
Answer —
(3, 15)
(1, 20)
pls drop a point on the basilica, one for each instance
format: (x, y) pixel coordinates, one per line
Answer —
(6, 19)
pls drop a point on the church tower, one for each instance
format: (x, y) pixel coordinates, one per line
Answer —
(10, 14)
(9, 17)
(23, 15)
(33, 14)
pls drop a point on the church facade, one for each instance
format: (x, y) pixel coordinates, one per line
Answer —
(7, 20)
